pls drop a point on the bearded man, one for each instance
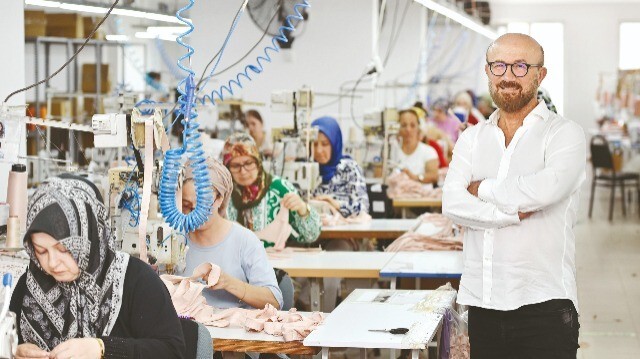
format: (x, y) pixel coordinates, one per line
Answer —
(513, 183)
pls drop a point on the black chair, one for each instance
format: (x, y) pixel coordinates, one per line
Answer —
(602, 159)
(197, 340)
(380, 205)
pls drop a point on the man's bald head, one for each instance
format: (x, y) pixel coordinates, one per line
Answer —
(521, 42)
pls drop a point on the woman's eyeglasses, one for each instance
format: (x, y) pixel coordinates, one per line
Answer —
(248, 166)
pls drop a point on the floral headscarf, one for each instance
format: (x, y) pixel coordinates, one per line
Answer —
(244, 198)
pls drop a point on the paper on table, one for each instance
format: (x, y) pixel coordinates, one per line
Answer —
(409, 297)
(379, 296)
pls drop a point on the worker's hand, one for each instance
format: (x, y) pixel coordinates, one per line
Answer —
(78, 348)
(335, 204)
(473, 187)
(223, 281)
(293, 202)
(410, 174)
(30, 351)
(525, 215)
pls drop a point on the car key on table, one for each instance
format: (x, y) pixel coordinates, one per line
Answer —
(392, 331)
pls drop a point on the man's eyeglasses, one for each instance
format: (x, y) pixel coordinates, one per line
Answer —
(518, 69)
(248, 166)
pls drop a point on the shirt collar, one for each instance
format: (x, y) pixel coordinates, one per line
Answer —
(541, 111)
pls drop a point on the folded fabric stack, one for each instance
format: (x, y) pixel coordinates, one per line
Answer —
(401, 186)
(434, 232)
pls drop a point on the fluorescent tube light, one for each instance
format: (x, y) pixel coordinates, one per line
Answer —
(43, 3)
(96, 8)
(456, 16)
(117, 38)
(148, 35)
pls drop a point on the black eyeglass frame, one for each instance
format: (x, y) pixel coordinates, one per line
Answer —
(511, 66)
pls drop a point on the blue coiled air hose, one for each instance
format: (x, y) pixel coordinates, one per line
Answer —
(191, 145)
(258, 67)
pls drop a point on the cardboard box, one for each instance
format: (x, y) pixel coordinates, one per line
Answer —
(61, 109)
(90, 108)
(89, 78)
(89, 23)
(65, 25)
(35, 23)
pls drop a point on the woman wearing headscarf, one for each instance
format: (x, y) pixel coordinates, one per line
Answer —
(258, 196)
(80, 298)
(247, 280)
(343, 185)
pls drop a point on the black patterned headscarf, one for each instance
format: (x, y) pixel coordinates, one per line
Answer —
(70, 210)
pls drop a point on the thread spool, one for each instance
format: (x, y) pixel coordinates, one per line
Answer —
(17, 194)
(13, 233)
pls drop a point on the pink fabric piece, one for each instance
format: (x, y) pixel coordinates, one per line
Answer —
(277, 231)
(401, 186)
(444, 240)
(336, 218)
(187, 298)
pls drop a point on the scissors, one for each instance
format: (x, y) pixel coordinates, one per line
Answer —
(392, 331)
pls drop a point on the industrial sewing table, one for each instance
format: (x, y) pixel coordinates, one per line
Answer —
(315, 265)
(364, 309)
(404, 203)
(425, 264)
(376, 228)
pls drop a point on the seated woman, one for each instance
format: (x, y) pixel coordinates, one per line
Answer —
(443, 120)
(255, 126)
(247, 279)
(343, 185)
(258, 195)
(81, 298)
(416, 159)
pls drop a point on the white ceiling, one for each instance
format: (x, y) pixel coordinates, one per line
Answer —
(576, 2)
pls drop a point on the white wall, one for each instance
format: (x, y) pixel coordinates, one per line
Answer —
(591, 45)
(11, 66)
(335, 47)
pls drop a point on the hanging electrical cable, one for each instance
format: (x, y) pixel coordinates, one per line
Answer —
(256, 68)
(70, 59)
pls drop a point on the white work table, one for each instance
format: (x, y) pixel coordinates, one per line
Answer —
(348, 325)
(334, 264)
(315, 265)
(376, 228)
(427, 264)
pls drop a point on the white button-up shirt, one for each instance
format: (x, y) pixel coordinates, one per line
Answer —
(509, 263)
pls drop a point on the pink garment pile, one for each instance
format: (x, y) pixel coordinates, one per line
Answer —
(443, 240)
(401, 186)
(187, 298)
(331, 217)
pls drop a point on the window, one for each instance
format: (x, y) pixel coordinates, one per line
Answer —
(629, 49)
(551, 36)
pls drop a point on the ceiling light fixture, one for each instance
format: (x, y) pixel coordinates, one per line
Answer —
(96, 8)
(458, 17)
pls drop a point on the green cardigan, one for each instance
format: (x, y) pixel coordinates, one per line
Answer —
(305, 229)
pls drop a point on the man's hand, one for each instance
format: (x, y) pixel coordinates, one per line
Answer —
(473, 187)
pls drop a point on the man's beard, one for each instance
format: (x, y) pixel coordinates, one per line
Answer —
(515, 102)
